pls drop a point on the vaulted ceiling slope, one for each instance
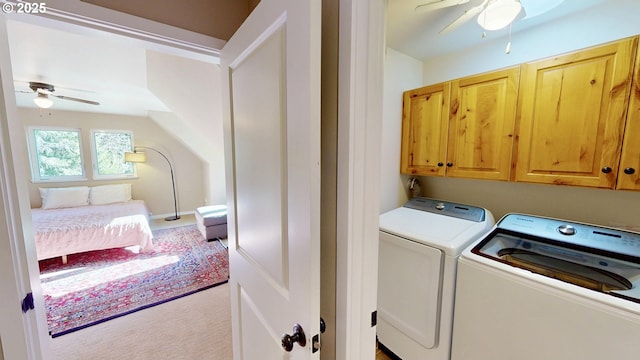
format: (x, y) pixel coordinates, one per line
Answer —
(102, 69)
(124, 77)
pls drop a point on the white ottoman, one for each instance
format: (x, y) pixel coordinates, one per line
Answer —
(212, 221)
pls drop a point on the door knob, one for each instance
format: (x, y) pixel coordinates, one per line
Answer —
(298, 337)
(629, 171)
(606, 169)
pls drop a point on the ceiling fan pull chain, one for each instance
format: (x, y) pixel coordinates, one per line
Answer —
(508, 50)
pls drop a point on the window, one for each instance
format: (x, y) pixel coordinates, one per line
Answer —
(56, 154)
(108, 148)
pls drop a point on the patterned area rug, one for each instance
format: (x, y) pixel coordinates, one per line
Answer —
(97, 286)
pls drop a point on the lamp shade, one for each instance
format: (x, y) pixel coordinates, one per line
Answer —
(498, 14)
(43, 101)
(135, 157)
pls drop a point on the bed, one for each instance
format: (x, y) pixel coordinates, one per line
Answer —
(79, 219)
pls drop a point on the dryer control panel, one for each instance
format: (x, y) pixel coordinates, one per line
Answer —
(446, 208)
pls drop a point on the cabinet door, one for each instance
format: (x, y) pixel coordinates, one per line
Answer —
(482, 119)
(629, 173)
(572, 116)
(424, 130)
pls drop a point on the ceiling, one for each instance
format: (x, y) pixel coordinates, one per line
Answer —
(88, 65)
(113, 70)
(415, 31)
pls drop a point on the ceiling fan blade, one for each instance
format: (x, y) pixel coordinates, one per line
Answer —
(440, 4)
(468, 15)
(76, 99)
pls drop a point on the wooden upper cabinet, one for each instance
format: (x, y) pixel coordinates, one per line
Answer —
(629, 172)
(461, 128)
(424, 130)
(572, 116)
(481, 125)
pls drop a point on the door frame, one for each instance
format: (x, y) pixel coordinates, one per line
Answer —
(23, 334)
(360, 95)
(358, 120)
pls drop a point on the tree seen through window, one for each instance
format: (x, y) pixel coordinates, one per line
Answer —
(58, 153)
(109, 149)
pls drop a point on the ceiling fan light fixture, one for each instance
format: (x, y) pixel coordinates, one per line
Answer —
(498, 14)
(43, 101)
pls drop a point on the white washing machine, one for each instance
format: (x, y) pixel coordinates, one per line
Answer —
(539, 288)
(419, 248)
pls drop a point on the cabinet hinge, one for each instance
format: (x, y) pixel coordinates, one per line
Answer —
(374, 318)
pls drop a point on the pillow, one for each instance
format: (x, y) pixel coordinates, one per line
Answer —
(110, 194)
(55, 198)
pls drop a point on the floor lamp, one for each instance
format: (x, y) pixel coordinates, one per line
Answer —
(137, 157)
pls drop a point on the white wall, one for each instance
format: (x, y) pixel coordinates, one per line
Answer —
(191, 89)
(153, 184)
(401, 73)
(617, 19)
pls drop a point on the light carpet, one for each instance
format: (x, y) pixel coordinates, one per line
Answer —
(197, 326)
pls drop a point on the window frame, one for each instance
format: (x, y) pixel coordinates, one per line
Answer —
(94, 156)
(34, 159)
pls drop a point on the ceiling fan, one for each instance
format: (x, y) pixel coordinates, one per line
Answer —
(491, 14)
(44, 91)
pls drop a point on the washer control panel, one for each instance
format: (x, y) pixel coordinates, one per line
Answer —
(584, 235)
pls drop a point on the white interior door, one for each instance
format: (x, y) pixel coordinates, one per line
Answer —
(271, 87)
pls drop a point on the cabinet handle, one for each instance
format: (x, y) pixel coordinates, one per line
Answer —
(629, 171)
(606, 169)
(440, 164)
(449, 164)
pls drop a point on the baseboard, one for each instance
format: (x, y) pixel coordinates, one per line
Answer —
(162, 216)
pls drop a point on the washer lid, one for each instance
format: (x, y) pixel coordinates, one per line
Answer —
(592, 257)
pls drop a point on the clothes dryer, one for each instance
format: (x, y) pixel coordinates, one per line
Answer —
(418, 253)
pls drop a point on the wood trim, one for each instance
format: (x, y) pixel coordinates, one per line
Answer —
(79, 16)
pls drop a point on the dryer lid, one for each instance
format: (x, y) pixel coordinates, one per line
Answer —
(447, 233)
